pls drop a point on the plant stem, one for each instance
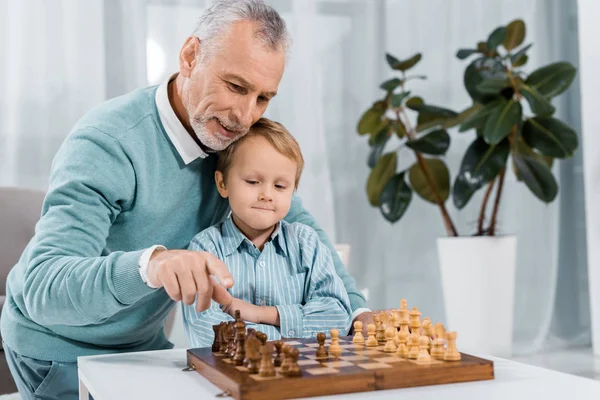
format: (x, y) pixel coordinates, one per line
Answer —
(492, 229)
(483, 207)
(450, 229)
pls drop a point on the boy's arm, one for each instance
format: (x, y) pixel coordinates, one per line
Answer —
(326, 302)
(297, 213)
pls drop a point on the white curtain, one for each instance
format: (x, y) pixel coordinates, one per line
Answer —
(63, 57)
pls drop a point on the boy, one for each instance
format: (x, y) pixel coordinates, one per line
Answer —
(285, 281)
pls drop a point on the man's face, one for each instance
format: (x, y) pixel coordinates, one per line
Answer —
(260, 184)
(229, 90)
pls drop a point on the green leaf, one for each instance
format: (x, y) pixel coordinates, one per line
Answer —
(408, 64)
(434, 143)
(465, 53)
(477, 120)
(537, 176)
(414, 103)
(434, 110)
(492, 86)
(399, 128)
(383, 171)
(480, 69)
(501, 120)
(496, 37)
(538, 103)
(514, 59)
(462, 116)
(439, 175)
(519, 146)
(395, 198)
(370, 121)
(515, 34)
(378, 143)
(552, 79)
(398, 98)
(391, 84)
(550, 136)
(480, 165)
(392, 61)
(522, 60)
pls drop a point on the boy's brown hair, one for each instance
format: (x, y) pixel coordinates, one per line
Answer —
(276, 135)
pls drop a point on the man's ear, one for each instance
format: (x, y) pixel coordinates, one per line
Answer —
(189, 56)
(221, 187)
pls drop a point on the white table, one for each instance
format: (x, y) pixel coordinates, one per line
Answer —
(158, 375)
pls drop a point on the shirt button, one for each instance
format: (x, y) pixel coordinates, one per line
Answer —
(292, 333)
(262, 263)
(263, 302)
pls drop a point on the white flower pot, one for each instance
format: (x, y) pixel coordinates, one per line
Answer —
(478, 282)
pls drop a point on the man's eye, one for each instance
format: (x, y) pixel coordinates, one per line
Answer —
(263, 99)
(236, 88)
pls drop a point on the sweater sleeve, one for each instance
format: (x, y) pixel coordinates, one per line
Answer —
(298, 213)
(69, 280)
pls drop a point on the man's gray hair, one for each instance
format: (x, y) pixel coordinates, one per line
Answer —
(219, 17)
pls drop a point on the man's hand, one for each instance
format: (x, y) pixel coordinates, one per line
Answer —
(185, 273)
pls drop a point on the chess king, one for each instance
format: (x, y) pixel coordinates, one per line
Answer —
(130, 187)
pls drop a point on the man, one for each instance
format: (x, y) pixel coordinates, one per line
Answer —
(129, 188)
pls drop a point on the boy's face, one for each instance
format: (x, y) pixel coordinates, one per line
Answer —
(259, 184)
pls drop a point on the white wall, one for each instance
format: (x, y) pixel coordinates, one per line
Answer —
(589, 65)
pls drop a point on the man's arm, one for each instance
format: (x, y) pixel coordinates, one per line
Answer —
(67, 280)
(297, 213)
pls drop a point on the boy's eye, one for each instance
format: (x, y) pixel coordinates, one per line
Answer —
(280, 187)
(251, 182)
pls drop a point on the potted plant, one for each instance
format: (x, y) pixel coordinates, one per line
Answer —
(512, 119)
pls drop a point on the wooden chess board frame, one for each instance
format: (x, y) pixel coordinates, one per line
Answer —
(358, 369)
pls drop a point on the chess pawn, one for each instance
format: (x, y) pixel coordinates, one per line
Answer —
(380, 335)
(266, 364)
(371, 341)
(437, 350)
(252, 354)
(285, 365)
(277, 360)
(451, 353)
(335, 349)
(321, 350)
(294, 369)
(358, 338)
(402, 348)
(390, 346)
(424, 356)
(413, 350)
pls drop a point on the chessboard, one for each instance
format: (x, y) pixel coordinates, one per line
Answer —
(357, 369)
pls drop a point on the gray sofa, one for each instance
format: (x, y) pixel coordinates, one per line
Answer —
(19, 212)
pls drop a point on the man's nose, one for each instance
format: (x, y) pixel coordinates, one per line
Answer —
(246, 112)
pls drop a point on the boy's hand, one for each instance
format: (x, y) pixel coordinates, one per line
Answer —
(185, 274)
(251, 313)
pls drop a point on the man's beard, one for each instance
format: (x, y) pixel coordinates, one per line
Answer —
(215, 141)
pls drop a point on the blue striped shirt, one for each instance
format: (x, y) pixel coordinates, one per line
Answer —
(294, 272)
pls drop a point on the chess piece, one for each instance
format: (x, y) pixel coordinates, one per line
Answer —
(437, 350)
(390, 345)
(335, 349)
(424, 357)
(240, 342)
(250, 331)
(404, 321)
(230, 339)
(415, 324)
(451, 353)
(252, 350)
(403, 305)
(285, 365)
(294, 371)
(216, 346)
(395, 319)
(266, 364)
(413, 349)
(385, 321)
(427, 329)
(223, 334)
(440, 331)
(380, 335)
(262, 337)
(371, 341)
(321, 350)
(278, 359)
(358, 338)
(402, 350)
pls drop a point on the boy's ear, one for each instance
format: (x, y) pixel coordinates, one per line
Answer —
(220, 181)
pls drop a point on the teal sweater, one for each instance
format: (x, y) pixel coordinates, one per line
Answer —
(117, 187)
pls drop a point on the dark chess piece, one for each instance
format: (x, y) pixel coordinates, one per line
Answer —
(240, 339)
(266, 364)
(294, 370)
(252, 360)
(322, 353)
(262, 337)
(216, 346)
(230, 340)
(223, 336)
(277, 359)
(250, 333)
(285, 365)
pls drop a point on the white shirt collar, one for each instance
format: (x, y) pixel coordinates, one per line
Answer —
(187, 148)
